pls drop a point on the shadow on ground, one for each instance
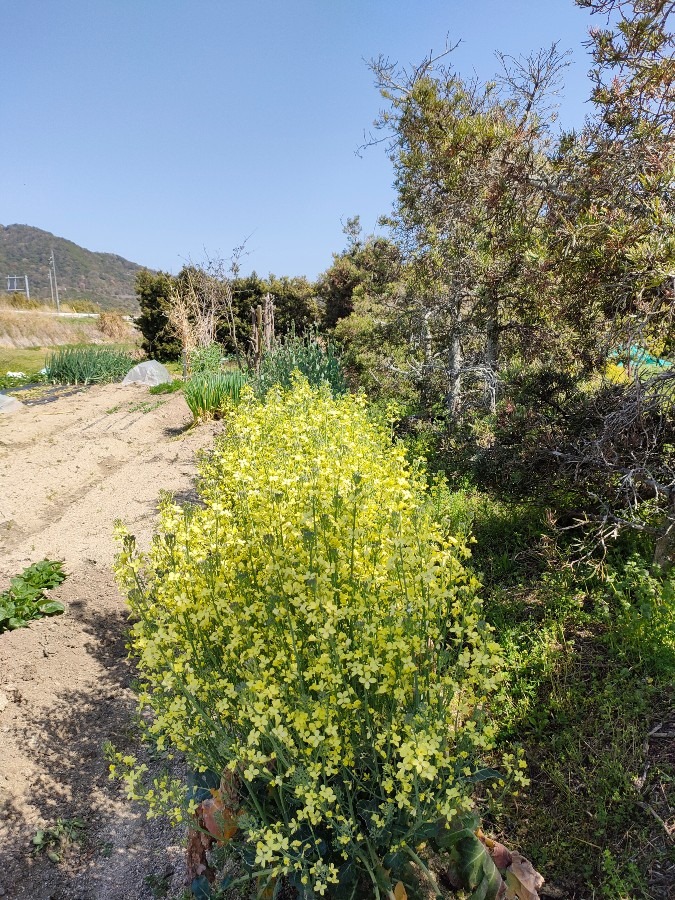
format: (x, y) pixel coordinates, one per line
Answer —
(109, 860)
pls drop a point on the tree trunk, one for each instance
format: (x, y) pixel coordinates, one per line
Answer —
(454, 395)
(492, 350)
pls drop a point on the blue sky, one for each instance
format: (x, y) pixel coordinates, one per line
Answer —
(158, 129)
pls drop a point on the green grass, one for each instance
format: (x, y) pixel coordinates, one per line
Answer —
(590, 664)
(27, 360)
(169, 387)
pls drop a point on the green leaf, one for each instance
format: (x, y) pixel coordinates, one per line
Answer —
(50, 607)
(482, 775)
(16, 623)
(476, 869)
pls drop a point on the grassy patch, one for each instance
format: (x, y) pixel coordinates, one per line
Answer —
(28, 360)
(169, 387)
(590, 662)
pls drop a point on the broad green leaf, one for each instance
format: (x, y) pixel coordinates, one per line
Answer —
(201, 889)
(50, 607)
(477, 869)
(482, 775)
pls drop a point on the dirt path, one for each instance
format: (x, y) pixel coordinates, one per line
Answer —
(68, 469)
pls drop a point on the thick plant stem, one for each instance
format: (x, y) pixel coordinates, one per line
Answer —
(427, 874)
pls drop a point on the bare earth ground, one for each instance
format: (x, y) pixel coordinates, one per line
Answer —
(68, 469)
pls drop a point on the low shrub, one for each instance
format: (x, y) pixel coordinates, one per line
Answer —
(207, 360)
(25, 598)
(87, 365)
(318, 362)
(312, 635)
(83, 306)
(207, 395)
(19, 379)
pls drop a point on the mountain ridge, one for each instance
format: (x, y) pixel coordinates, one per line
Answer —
(105, 278)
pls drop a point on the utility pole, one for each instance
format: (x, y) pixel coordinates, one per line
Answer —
(25, 278)
(56, 285)
(51, 283)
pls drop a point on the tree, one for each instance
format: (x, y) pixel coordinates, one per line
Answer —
(153, 290)
(368, 264)
(612, 217)
(468, 159)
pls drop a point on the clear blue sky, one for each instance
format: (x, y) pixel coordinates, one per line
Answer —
(157, 128)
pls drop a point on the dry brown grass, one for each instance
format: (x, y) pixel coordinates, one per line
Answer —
(113, 326)
(21, 329)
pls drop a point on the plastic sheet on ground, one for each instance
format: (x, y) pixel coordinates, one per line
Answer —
(149, 372)
(9, 404)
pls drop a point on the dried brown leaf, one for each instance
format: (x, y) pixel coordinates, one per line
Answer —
(522, 879)
(400, 892)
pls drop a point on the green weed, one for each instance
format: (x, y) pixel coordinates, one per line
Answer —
(208, 360)
(590, 661)
(25, 599)
(146, 406)
(169, 387)
(158, 884)
(56, 840)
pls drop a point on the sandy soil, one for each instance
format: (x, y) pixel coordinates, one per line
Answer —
(68, 469)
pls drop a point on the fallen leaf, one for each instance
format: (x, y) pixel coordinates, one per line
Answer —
(400, 892)
(522, 879)
(501, 856)
(218, 819)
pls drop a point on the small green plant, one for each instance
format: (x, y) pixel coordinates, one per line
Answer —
(207, 360)
(168, 387)
(316, 360)
(19, 379)
(146, 406)
(55, 841)
(25, 599)
(206, 395)
(158, 884)
(87, 365)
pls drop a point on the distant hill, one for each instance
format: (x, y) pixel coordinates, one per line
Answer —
(105, 278)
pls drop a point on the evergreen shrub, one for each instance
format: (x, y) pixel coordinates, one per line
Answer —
(311, 634)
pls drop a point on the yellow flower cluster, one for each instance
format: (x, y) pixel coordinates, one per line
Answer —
(311, 628)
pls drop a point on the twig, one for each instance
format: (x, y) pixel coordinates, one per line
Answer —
(658, 818)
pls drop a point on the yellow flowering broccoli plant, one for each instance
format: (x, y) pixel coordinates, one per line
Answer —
(312, 636)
